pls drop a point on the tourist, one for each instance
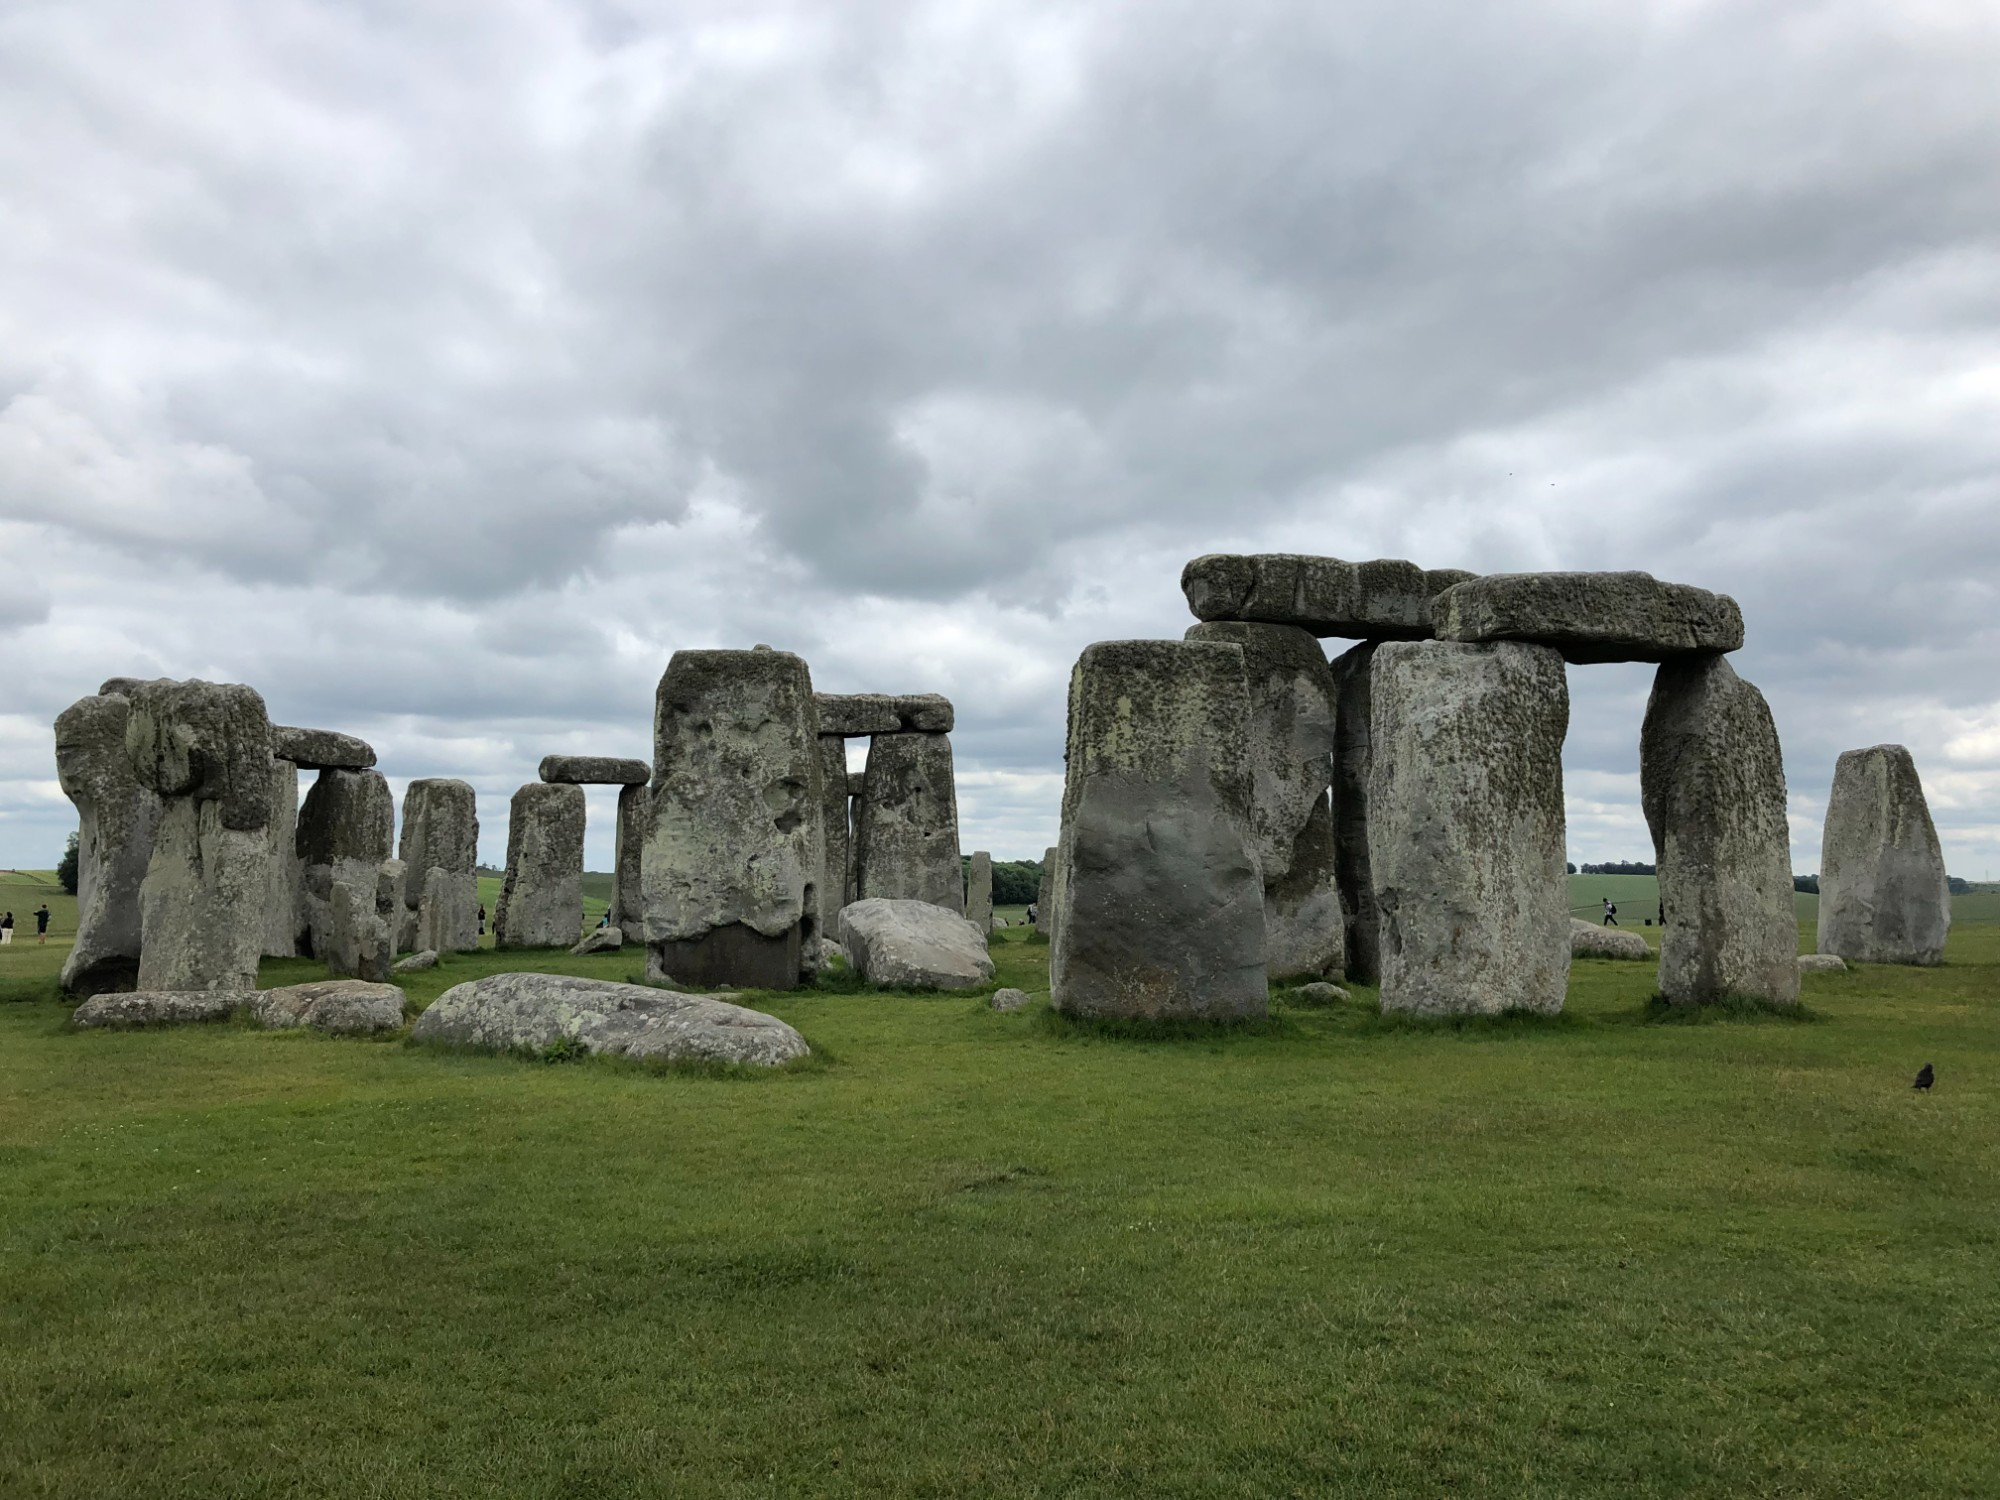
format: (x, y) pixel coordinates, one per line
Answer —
(482, 921)
(1610, 913)
(42, 923)
(7, 928)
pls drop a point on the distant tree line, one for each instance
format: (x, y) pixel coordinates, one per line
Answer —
(1015, 881)
(66, 871)
(1620, 867)
(1809, 884)
(1958, 887)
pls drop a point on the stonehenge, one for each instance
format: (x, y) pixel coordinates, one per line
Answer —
(853, 715)
(734, 851)
(1590, 617)
(1353, 757)
(541, 896)
(979, 891)
(1385, 600)
(117, 818)
(835, 808)
(321, 749)
(1883, 894)
(346, 827)
(630, 777)
(1159, 906)
(906, 823)
(284, 892)
(439, 851)
(594, 770)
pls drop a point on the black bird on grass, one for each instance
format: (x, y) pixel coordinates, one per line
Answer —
(1925, 1077)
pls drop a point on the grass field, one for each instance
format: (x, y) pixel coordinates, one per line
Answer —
(1617, 1252)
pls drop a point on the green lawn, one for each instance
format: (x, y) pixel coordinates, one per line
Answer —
(1613, 1253)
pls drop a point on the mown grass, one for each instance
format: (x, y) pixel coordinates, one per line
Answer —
(1001, 1254)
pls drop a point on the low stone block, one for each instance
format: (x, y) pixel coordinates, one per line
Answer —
(1594, 940)
(157, 1008)
(340, 1007)
(594, 770)
(914, 943)
(600, 940)
(1383, 600)
(415, 963)
(533, 1012)
(1822, 963)
(1590, 617)
(1009, 1000)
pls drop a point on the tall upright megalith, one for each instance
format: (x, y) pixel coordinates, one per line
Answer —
(979, 891)
(628, 890)
(1290, 739)
(1045, 894)
(347, 826)
(1884, 897)
(735, 853)
(117, 818)
(1160, 903)
(541, 898)
(1353, 761)
(906, 824)
(205, 749)
(439, 851)
(1712, 778)
(1465, 827)
(834, 831)
(284, 894)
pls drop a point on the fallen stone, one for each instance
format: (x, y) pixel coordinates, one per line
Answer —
(1712, 779)
(594, 770)
(1594, 940)
(1319, 992)
(541, 898)
(533, 1012)
(1822, 963)
(979, 891)
(416, 962)
(999, 922)
(600, 940)
(734, 853)
(1465, 827)
(1384, 600)
(906, 823)
(321, 749)
(1010, 1000)
(1159, 901)
(117, 820)
(1590, 617)
(914, 943)
(856, 714)
(341, 1007)
(156, 1008)
(1884, 897)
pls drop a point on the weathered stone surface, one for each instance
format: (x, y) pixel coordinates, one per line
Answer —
(1384, 600)
(284, 901)
(341, 1007)
(541, 899)
(822, 954)
(1590, 617)
(1319, 992)
(1159, 901)
(1884, 897)
(594, 770)
(915, 943)
(1009, 1000)
(346, 828)
(1353, 761)
(447, 913)
(1465, 827)
(600, 940)
(321, 749)
(1822, 963)
(734, 855)
(415, 963)
(628, 895)
(906, 823)
(508, 1012)
(117, 819)
(1712, 778)
(857, 714)
(206, 741)
(122, 686)
(1289, 736)
(979, 891)
(156, 1008)
(835, 832)
(359, 944)
(1594, 940)
(1045, 895)
(439, 850)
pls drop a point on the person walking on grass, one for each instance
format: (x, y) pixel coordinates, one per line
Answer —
(42, 923)
(1610, 913)
(7, 928)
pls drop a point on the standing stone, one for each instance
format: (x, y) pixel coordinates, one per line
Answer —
(906, 827)
(205, 749)
(1045, 895)
(979, 891)
(284, 901)
(541, 900)
(358, 939)
(834, 829)
(1353, 761)
(735, 853)
(1465, 827)
(440, 851)
(856, 780)
(628, 896)
(1159, 905)
(1884, 897)
(347, 826)
(1290, 739)
(117, 819)
(1712, 778)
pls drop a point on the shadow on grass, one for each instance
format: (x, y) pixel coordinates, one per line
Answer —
(1054, 1023)
(1659, 1011)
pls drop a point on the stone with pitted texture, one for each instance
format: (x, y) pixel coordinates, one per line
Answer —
(346, 829)
(1712, 779)
(1353, 759)
(321, 749)
(856, 714)
(906, 823)
(156, 1008)
(1465, 827)
(117, 819)
(1590, 617)
(1822, 963)
(284, 901)
(979, 891)
(835, 831)
(423, 958)
(340, 1007)
(595, 770)
(359, 944)
(1884, 897)
(541, 898)
(1009, 1000)
(1159, 901)
(1383, 600)
(628, 900)
(914, 943)
(599, 940)
(1045, 895)
(734, 854)
(534, 1012)
(1594, 940)
(439, 849)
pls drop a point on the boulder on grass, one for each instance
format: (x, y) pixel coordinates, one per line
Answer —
(533, 1012)
(156, 1008)
(1593, 940)
(1822, 963)
(424, 959)
(342, 1007)
(600, 940)
(1010, 1000)
(914, 943)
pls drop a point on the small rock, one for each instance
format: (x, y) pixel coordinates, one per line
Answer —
(601, 940)
(1822, 963)
(157, 1008)
(427, 959)
(1319, 992)
(1010, 999)
(915, 943)
(819, 954)
(1594, 940)
(342, 1007)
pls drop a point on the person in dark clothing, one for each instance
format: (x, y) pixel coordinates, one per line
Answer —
(482, 921)
(1610, 913)
(7, 928)
(42, 923)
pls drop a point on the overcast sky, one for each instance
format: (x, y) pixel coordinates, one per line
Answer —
(441, 368)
